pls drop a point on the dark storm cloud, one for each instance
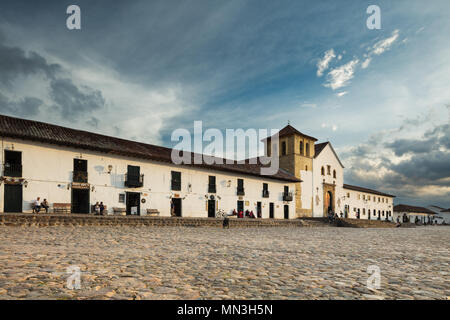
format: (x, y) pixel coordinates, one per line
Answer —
(404, 146)
(432, 140)
(425, 167)
(72, 101)
(25, 107)
(14, 61)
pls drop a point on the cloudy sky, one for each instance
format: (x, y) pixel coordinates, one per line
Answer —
(140, 69)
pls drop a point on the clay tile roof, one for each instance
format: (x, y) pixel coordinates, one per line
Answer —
(412, 209)
(288, 130)
(318, 147)
(361, 189)
(446, 210)
(48, 133)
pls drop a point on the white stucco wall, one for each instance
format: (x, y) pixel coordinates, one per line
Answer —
(412, 217)
(360, 200)
(443, 217)
(325, 158)
(306, 187)
(48, 171)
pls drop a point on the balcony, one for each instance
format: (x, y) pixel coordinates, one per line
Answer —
(12, 170)
(287, 196)
(80, 176)
(240, 192)
(134, 181)
(265, 193)
(211, 188)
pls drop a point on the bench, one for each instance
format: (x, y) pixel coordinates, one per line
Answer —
(120, 211)
(153, 212)
(62, 207)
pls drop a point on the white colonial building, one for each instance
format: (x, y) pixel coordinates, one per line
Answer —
(413, 214)
(76, 169)
(442, 215)
(367, 203)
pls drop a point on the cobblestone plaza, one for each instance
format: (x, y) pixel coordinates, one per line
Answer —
(211, 263)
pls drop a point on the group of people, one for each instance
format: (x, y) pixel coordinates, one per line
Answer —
(247, 214)
(37, 205)
(334, 216)
(99, 208)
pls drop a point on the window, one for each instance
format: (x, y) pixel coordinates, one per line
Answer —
(368, 197)
(13, 164)
(240, 187)
(322, 171)
(265, 190)
(176, 181)
(329, 170)
(364, 211)
(307, 149)
(359, 196)
(80, 173)
(301, 148)
(212, 184)
(334, 174)
(287, 196)
(364, 197)
(348, 194)
(134, 178)
(306, 168)
(283, 148)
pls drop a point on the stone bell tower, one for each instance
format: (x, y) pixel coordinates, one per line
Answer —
(296, 153)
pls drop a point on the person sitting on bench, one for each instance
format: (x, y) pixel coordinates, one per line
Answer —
(44, 204)
(37, 205)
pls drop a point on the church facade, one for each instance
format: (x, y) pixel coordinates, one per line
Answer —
(322, 189)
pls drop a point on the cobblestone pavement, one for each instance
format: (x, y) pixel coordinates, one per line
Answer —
(211, 263)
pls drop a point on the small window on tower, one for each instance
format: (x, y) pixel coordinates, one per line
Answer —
(283, 148)
(301, 148)
(307, 149)
(334, 174)
(322, 171)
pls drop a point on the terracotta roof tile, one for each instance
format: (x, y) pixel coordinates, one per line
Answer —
(361, 189)
(53, 134)
(291, 130)
(412, 209)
